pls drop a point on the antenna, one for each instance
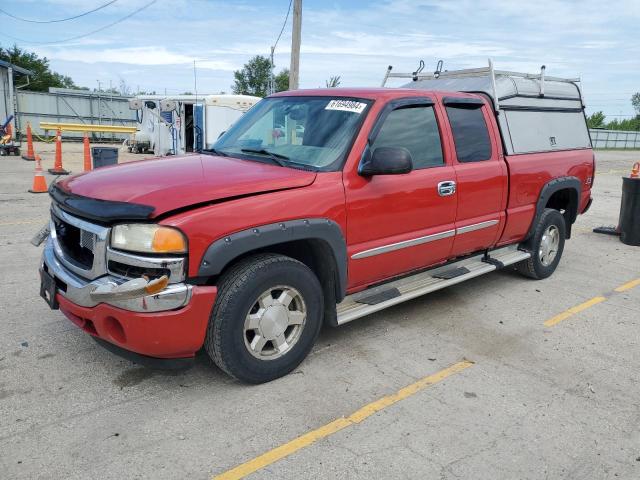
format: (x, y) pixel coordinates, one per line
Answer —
(195, 81)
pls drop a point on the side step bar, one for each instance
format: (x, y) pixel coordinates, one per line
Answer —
(378, 298)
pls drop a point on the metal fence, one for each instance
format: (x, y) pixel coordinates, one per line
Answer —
(74, 106)
(614, 139)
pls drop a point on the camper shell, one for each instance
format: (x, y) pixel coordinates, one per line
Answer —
(535, 113)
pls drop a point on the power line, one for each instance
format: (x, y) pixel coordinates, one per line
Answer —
(60, 19)
(78, 37)
(271, 86)
(283, 25)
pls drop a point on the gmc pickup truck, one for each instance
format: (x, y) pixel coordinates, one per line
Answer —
(319, 207)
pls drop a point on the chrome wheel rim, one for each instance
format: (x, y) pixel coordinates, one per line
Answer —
(549, 244)
(275, 322)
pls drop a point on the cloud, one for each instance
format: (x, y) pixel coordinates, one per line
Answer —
(148, 55)
(356, 39)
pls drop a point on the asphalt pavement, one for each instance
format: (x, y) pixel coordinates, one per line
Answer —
(500, 377)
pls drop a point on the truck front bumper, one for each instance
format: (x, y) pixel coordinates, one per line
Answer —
(168, 325)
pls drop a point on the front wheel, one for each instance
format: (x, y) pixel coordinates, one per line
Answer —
(546, 246)
(266, 318)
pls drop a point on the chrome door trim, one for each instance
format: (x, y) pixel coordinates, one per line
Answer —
(477, 226)
(404, 244)
(420, 240)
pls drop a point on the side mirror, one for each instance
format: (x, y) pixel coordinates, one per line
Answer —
(387, 161)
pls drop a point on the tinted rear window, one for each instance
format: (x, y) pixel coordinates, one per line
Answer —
(469, 134)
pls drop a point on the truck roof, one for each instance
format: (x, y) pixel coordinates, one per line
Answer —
(362, 92)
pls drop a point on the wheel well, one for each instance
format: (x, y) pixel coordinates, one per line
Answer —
(318, 256)
(565, 201)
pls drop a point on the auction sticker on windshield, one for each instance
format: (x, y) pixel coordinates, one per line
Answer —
(346, 106)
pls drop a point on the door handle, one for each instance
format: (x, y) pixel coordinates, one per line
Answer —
(446, 188)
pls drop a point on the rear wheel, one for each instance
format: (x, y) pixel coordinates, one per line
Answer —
(266, 318)
(546, 246)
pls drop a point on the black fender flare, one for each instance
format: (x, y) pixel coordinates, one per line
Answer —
(551, 187)
(226, 249)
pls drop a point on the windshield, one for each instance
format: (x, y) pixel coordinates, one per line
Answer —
(303, 132)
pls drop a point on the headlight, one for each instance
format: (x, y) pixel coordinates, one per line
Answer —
(140, 237)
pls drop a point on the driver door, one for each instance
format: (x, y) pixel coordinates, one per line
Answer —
(399, 223)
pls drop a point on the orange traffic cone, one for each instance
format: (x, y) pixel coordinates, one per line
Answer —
(57, 167)
(635, 171)
(39, 183)
(87, 153)
(30, 155)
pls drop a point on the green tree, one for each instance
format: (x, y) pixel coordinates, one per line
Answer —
(596, 120)
(635, 101)
(43, 77)
(628, 124)
(333, 82)
(282, 81)
(253, 79)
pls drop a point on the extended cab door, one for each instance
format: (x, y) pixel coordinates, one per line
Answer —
(397, 223)
(480, 171)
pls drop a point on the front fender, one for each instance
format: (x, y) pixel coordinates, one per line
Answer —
(224, 250)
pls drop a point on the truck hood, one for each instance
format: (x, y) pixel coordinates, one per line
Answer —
(171, 183)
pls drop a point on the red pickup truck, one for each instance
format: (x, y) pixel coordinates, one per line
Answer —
(317, 206)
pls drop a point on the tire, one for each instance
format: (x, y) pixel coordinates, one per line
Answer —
(250, 319)
(546, 246)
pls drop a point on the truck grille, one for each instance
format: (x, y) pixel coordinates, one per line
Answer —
(76, 244)
(79, 245)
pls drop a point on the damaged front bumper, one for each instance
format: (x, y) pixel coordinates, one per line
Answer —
(126, 294)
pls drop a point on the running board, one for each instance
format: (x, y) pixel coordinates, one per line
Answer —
(378, 298)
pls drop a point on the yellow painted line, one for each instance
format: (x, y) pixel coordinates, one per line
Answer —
(356, 417)
(573, 310)
(628, 286)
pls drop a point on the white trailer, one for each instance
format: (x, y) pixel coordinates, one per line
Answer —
(221, 111)
(177, 124)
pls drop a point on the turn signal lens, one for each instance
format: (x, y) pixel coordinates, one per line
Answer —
(157, 285)
(148, 238)
(168, 240)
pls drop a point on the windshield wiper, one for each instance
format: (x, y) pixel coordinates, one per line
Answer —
(276, 157)
(213, 151)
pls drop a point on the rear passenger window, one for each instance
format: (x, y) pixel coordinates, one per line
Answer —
(469, 134)
(416, 129)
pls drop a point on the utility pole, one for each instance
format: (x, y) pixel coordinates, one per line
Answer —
(272, 88)
(294, 70)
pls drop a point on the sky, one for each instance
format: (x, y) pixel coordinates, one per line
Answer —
(155, 48)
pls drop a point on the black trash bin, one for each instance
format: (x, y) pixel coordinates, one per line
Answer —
(630, 212)
(104, 156)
